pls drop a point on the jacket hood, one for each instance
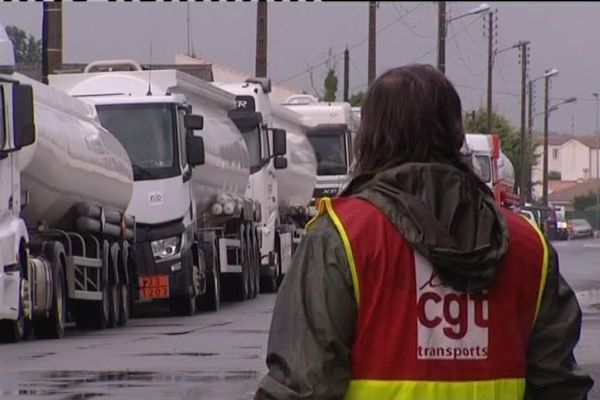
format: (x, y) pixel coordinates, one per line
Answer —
(447, 215)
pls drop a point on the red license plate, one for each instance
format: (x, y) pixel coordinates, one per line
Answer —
(154, 287)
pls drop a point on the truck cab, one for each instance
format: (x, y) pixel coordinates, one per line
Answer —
(267, 148)
(331, 138)
(17, 131)
(155, 128)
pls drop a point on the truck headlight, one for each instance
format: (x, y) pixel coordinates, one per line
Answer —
(166, 248)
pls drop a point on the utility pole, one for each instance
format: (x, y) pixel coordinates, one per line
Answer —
(524, 166)
(490, 68)
(51, 38)
(545, 165)
(441, 54)
(372, 40)
(261, 39)
(597, 164)
(530, 130)
(346, 73)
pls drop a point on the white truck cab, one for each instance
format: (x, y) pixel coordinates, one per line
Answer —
(332, 138)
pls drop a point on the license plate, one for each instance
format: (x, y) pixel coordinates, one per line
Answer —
(154, 287)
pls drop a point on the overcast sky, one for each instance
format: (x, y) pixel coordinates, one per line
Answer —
(562, 35)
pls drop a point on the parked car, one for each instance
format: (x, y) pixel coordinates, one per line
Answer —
(546, 219)
(579, 228)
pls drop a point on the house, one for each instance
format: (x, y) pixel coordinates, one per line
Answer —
(563, 196)
(575, 158)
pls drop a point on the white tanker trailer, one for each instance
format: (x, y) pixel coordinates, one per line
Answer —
(65, 183)
(296, 183)
(194, 225)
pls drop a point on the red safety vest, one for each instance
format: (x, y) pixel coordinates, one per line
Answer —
(416, 339)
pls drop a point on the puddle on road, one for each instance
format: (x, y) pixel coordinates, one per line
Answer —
(589, 300)
(187, 354)
(75, 385)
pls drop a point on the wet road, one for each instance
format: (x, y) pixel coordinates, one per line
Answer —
(209, 356)
(212, 355)
(580, 265)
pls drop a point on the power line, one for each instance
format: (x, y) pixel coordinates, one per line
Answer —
(414, 32)
(355, 45)
(461, 57)
(502, 74)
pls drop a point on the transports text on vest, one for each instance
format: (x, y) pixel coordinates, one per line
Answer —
(450, 324)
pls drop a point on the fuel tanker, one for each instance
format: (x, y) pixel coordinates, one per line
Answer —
(65, 184)
(191, 168)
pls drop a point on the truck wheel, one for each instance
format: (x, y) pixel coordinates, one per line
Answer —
(14, 331)
(270, 283)
(115, 304)
(183, 305)
(54, 326)
(256, 252)
(123, 304)
(251, 265)
(211, 299)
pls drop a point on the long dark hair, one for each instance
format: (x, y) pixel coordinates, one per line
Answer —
(409, 114)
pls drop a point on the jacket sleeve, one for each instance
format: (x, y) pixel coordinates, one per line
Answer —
(552, 372)
(313, 323)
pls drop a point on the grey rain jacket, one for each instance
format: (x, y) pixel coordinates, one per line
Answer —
(450, 218)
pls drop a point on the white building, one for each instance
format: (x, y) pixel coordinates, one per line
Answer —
(575, 158)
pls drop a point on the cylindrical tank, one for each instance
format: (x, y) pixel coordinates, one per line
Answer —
(227, 167)
(226, 170)
(73, 160)
(506, 170)
(296, 183)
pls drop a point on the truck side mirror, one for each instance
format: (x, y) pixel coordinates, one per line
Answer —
(23, 122)
(195, 150)
(279, 142)
(193, 122)
(280, 162)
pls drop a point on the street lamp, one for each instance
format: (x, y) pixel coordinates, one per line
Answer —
(443, 29)
(597, 132)
(549, 74)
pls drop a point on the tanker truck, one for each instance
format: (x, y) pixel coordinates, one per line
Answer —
(65, 183)
(331, 138)
(196, 227)
(296, 183)
(493, 166)
(281, 185)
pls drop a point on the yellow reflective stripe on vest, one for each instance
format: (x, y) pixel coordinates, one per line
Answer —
(326, 206)
(544, 274)
(497, 389)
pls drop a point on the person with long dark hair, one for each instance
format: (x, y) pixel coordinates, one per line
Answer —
(413, 283)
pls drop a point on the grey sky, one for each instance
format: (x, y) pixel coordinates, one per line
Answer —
(563, 35)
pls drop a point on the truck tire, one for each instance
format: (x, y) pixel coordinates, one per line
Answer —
(251, 264)
(123, 304)
(115, 304)
(211, 299)
(183, 305)
(15, 331)
(54, 326)
(256, 252)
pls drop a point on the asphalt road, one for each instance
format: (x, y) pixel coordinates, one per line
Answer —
(580, 266)
(212, 355)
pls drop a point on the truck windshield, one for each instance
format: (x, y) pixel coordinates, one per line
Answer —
(252, 138)
(485, 167)
(330, 148)
(149, 135)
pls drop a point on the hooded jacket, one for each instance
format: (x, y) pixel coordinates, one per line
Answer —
(450, 218)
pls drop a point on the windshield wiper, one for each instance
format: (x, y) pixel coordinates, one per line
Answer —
(137, 170)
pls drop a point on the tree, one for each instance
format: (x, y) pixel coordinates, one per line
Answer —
(28, 49)
(331, 86)
(357, 98)
(581, 203)
(510, 137)
(331, 80)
